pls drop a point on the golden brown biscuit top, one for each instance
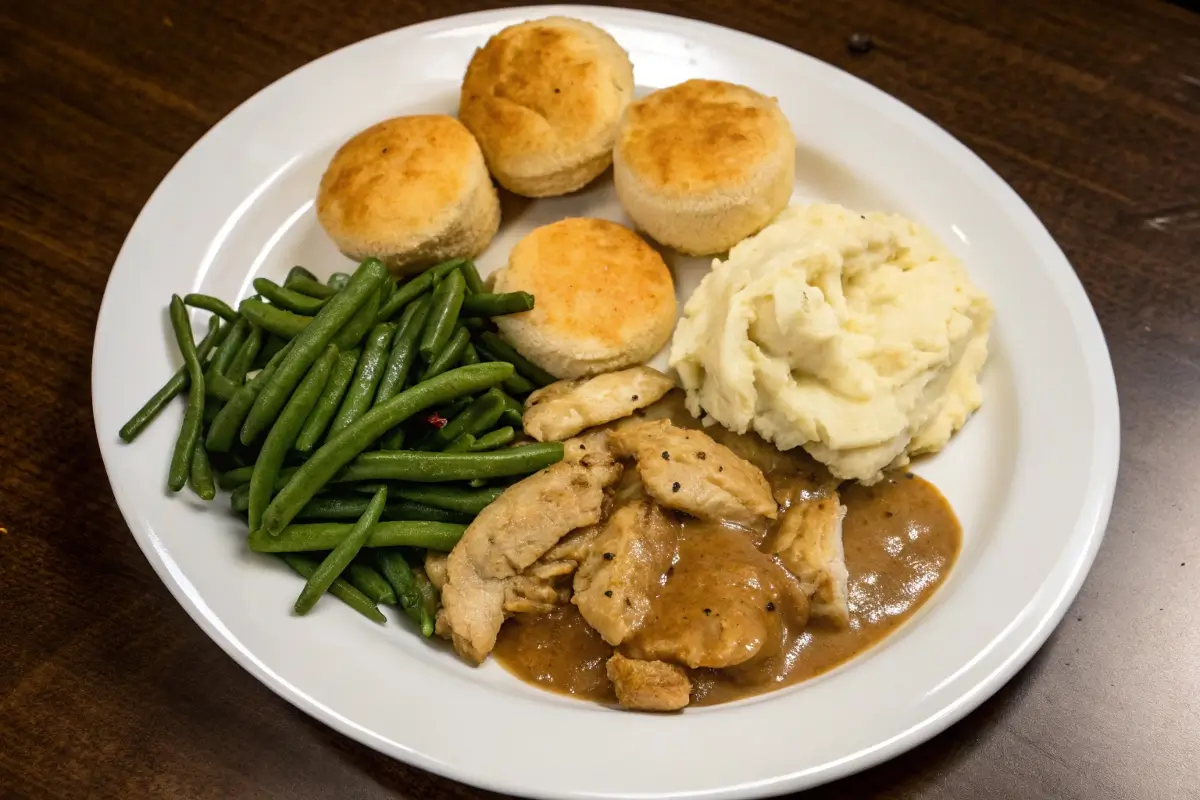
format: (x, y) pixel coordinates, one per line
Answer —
(540, 85)
(594, 280)
(397, 175)
(699, 135)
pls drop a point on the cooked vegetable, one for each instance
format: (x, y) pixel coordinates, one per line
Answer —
(201, 474)
(287, 298)
(189, 431)
(211, 304)
(339, 588)
(309, 344)
(399, 574)
(308, 284)
(222, 433)
(329, 402)
(274, 320)
(449, 355)
(495, 305)
(494, 439)
(443, 314)
(471, 275)
(441, 536)
(451, 498)
(367, 580)
(366, 377)
(404, 350)
(174, 385)
(351, 441)
(506, 352)
(340, 557)
(405, 465)
(284, 432)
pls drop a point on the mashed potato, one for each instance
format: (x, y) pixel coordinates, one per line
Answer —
(857, 337)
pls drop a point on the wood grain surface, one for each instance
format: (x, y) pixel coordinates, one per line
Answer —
(1091, 110)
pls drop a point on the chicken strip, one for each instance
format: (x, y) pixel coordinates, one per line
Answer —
(648, 685)
(617, 582)
(565, 408)
(508, 536)
(808, 542)
(688, 471)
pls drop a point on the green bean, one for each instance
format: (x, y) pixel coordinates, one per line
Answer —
(189, 431)
(404, 295)
(341, 449)
(507, 352)
(201, 473)
(363, 320)
(340, 557)
(404, 350)
(297, 273)
(407, 465)
(366, 378)
(496, 305)
(472, 277)
(327, 405)
(174, 385)
(517, 384)
(514, 412)
(287, 298)
(274, 320)
(440, 536)
(494, 439)
(239, 499)
(245, 356)
(309, 285)
(340, 589)
(449, 355)
(220, 387)
(462, 444)
(223, 356)
(470, 355)
(235, 477)
(284, 432)
(338, 281)
(443, 314)
(367, 580)
(429, 601)
(440, 271)
(385, 293)
(309, 345)
(451, 498)
(213, 305)
(272, 346)
(399, 574)
(394, 440)
(338, 508)
(478, 417)
(222, 433)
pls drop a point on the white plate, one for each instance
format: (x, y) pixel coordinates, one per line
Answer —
(1031, 476)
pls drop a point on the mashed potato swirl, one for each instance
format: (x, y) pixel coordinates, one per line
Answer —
(858, 337)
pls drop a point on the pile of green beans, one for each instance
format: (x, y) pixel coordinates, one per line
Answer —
(356, 423)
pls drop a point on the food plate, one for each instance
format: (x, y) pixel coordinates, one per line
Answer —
(1031, 476)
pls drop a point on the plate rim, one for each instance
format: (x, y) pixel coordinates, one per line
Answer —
(1091, 521)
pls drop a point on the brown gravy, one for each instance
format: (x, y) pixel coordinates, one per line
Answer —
(900, 536)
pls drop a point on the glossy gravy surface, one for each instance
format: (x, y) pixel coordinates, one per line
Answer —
(901, 539)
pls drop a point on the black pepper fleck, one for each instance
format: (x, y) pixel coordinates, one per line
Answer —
(583, 447)
(675, 488)
(888, 514)
(860, 44)
(385, 150)
(608, 593)
(666, 456)
(609, 556)
(707, 611)
(635, 397)
(909, 475)
(720, 469)
(701, 455)
(556, 90)
(770, 606)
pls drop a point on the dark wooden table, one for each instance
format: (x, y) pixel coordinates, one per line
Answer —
(1091, 110)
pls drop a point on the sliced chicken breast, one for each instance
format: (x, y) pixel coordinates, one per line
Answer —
(509, 536)
(624, 569)
(648, 685)
(688, 471)
(808, 542)
(565, 408)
